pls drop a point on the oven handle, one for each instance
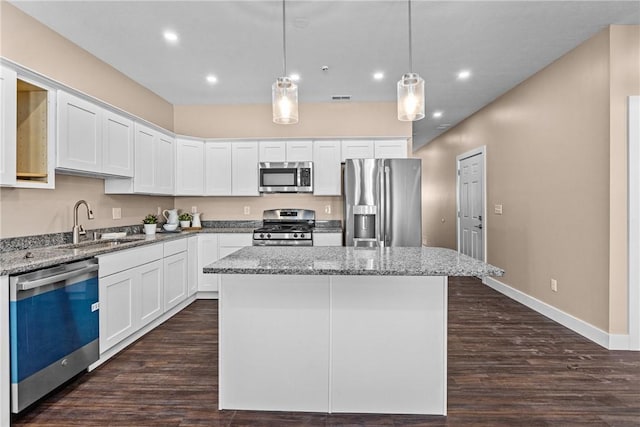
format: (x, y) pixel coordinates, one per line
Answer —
(31, 284)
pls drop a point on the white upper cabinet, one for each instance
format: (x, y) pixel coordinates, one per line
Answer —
(92, 139)
(299, 151)
(79, 134)
(217, 173)
(189, 167)
(7, 126)
(391, 149)
(165, 161)
(357, 149)
(117, 144)
(327, 169)
(244, 168)
(286, 151)
(145, 159)
(273, 151)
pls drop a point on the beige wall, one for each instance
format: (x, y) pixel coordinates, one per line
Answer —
(27, 212)
(556, 161)
(254, 121)
(33, 45)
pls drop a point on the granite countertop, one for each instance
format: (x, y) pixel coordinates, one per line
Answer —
(338, 260)
(15, 262)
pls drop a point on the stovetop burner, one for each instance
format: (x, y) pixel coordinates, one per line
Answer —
(285, 227)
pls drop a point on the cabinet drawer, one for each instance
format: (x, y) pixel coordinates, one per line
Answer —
(174, 247)
(235, 239)
(124, 260)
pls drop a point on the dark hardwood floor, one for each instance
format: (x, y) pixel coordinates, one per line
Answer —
(507, 365)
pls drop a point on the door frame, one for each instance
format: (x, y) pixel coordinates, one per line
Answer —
(633, 219)
(483, 151)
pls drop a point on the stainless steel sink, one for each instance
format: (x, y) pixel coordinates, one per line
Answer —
(102, 244)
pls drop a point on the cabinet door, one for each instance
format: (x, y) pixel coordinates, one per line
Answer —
(145, 165)
(327, 239)
(79, 134)
(357, 149)
(327, 170)
(244, 167)
(272, 151)
(175, 280)
(391, 149)
(192, 265)
(217, 174)
(8, 121)
(117, 144)
(117, 317)
(299, 151)
(165, 161)
(189, 168)
(207, 253)
(149, 293)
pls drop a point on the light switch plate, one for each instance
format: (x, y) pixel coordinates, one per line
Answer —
(497, 209)
(116, 213)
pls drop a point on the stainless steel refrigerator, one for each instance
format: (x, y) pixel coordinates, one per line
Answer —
(382, 202)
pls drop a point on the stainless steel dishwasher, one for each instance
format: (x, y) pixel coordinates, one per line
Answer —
(53, 317)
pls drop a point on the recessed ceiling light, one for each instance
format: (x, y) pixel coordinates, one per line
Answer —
(170, 36)
(437, 114)
(212, 79)
(464, 74)
(378, 75)
(295, 77)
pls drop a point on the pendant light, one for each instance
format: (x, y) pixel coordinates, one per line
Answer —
(284, 92)
(410, 90)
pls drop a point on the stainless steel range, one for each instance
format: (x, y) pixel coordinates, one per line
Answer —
(285, 227)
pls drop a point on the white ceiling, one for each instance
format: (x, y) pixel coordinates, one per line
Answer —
(240, 42)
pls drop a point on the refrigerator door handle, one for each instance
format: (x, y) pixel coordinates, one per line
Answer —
(387, 206)
(380, 236)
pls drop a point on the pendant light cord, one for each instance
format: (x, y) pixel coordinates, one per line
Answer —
(284, 42)
(410, 50)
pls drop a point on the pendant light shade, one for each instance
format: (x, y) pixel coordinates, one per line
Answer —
(284, 92)
(285, 101)
(410, 89)
(410, 98)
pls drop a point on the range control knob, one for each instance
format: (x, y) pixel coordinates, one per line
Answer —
(268, 235)
(295, 235)
(302, 235)
(262, 235)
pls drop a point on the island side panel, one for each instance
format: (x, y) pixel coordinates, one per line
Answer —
(274, 342)
(389, 344)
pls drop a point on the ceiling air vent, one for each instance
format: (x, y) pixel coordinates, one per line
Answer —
(443, 126)
(341, 98)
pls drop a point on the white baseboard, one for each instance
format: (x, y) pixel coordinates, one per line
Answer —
(600, 337)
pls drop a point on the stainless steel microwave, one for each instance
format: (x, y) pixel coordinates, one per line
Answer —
(286, 177)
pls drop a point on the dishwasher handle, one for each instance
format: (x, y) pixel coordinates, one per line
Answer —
(36, 283)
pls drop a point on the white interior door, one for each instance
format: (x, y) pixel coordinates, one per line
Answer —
(471, 204)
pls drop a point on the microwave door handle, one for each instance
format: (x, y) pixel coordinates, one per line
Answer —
(380, 236)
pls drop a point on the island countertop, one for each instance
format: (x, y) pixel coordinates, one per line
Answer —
(340, 260)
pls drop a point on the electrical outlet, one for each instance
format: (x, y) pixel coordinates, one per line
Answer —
(116, 213)
(194, 209)
(247, 210)
(497, 209)
(327, 209)
(554, 285)
(159, 211)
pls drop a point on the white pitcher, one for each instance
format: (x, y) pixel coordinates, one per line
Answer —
(195, 220)
(171, 215)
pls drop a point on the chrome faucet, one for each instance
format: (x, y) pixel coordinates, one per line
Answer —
(77, 230)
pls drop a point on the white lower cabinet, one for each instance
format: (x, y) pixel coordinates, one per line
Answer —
(129, 300)
(327, 239)
(139, 285)
(212, 247)
(192, 265)
(207, 253)
(175, 273)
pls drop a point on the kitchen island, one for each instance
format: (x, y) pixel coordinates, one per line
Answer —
(336, 329)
